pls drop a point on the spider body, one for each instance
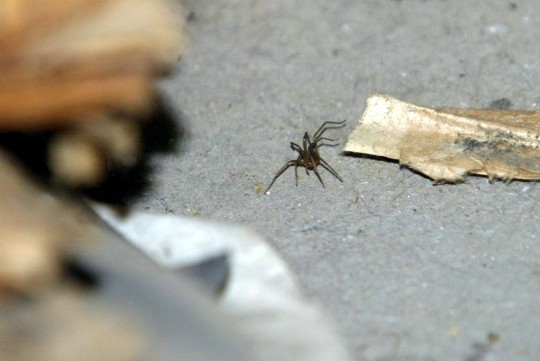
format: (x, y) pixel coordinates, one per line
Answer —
(308, 154)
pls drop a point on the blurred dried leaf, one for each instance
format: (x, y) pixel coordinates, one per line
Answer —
(448, 144)
(66, 60)
(84, 68)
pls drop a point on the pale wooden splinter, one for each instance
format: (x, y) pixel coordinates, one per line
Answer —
(448, 144)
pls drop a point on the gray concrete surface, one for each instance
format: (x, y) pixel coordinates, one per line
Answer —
(411, 271)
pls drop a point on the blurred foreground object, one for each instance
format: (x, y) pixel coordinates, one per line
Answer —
(85, 69)
(65, 61)
(82, 73)
(132, 309)
(448, 144)
(67, 326)
(71, 289)
(44, 315)
(261, 297)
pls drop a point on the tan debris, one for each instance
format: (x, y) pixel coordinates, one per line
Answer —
(448, 144)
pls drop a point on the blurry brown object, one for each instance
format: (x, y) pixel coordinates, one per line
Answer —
(79, 157)
(37, 231)
(76, 67)
(45, 316)
(65, 61)
(63, 325)
(84, 71)
(448, 144)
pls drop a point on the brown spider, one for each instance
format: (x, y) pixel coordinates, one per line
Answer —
(308, 155)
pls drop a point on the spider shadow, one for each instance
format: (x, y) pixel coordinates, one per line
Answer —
(388, 160)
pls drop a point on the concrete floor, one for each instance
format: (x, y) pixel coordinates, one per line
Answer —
(411, 271)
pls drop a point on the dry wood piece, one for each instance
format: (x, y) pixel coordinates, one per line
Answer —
(67, 60)
(448, 144)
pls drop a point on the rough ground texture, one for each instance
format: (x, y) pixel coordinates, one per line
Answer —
(410, 271)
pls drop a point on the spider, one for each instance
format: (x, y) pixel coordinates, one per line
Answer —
(308, 154)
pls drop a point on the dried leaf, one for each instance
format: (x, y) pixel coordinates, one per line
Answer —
(63, 60)
(448, 144)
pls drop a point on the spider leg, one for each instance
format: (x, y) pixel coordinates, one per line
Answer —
(298, 163)
(315, 163)
(319, 142)
(305, 160)
(316, 141)
(306, 141)
(300, 159)
(303, 153)
(283, 169)
(330, 169)
(324, 127)
(328, 139)
(296, 147)
(318, 176)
